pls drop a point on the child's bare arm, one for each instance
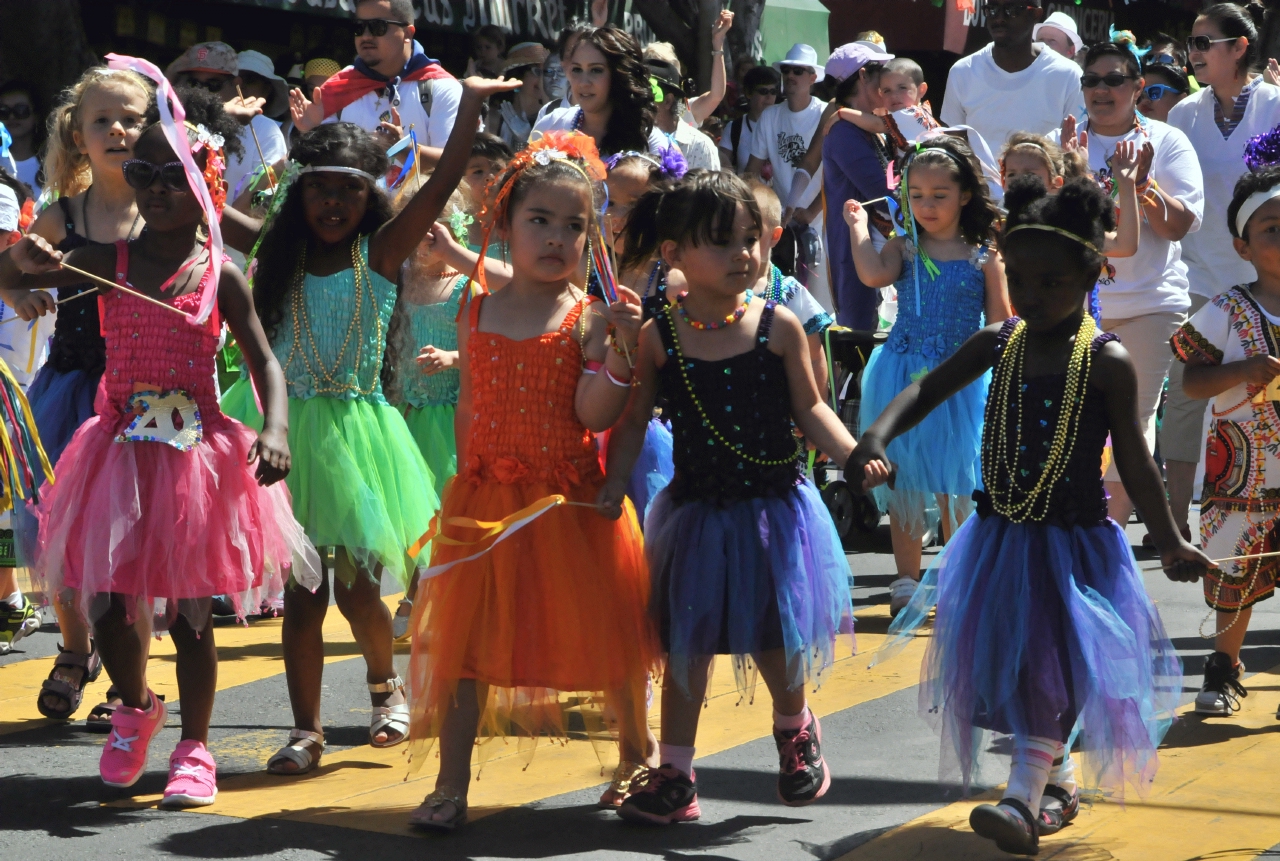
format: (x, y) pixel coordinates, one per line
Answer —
(497, 274)
(599, 400)
(1126, 164)
(627, 436)
(809, 409)
(998, 308)
(875, 268)
(32, 263)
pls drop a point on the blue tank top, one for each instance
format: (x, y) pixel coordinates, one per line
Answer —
(334, 333)
(437, 325)
(950, 306)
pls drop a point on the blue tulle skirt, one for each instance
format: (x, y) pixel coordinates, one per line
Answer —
(1045, 630)
(654, 468)
(60, 403)
(938, 456)
(752, 576)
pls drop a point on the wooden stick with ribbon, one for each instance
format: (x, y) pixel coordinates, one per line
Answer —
(114, 286)
(1226, 559)
(59, 302)
(266, 168)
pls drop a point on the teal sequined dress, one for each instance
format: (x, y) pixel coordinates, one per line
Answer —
(358, 479)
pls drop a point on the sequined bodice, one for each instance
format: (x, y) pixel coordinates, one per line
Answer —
(151, 349)
(950, 306)
(434, 324)
(745, 400)
(1079, 497)
(334, 333)
(77, 343)
(524, 426)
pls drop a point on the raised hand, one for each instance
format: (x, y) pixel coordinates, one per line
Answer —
(306, 114)
(1124, 162)
(719, 28)
(1271, 74)
(243, 109)
(483, 88)
(392, 130)
(855, 214)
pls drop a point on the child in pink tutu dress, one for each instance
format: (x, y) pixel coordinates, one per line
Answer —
(158, 504)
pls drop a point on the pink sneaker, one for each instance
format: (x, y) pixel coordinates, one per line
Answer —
(192, 777)
(125, 756)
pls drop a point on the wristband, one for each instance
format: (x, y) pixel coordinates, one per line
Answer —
(626, 384)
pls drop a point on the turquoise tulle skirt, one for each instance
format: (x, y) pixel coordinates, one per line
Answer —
(432, 429)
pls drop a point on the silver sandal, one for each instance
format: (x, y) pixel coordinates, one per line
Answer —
(421, 818)
(389, 718)
(301, 751)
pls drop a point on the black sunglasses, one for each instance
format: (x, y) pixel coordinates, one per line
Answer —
(794, 70)
(765, 91)
(214, 85)
(1204, 43)
(18, 112)
(377, 27)
(141, 174)
(1110, 80)
(1008, 10)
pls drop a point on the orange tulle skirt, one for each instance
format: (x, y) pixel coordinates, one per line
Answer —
(553, 620)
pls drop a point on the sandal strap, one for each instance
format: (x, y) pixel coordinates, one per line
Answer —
(73, 660)
(390, 686)
(60, 689)
(446, 795)
(1058, 794)
(297, 735)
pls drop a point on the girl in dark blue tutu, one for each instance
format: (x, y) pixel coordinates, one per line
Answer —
(1044, 630)
(743, 555)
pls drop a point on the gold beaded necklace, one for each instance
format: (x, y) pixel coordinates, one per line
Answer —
(327, 381)
(706, 420)
(1000, 460)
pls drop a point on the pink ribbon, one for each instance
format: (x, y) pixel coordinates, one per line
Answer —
(171, 120)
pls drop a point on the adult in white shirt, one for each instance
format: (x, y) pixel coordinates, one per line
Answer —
(761, 86)
(672, 120)
(391, 86)
(1146, 299)
(1012, 84)
(784, 131)
(1232, 106)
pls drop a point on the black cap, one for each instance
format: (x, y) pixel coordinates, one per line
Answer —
(668, 75)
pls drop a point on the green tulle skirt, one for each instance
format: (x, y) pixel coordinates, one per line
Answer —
(358, 479)
(432, 429)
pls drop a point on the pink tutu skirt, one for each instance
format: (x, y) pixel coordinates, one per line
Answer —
(170, 528)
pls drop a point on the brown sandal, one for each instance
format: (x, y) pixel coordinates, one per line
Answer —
(421, 818)
(70, 696)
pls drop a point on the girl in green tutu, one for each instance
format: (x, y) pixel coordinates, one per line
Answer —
(325, 289)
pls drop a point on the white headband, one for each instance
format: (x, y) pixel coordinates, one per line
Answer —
(1251, 205)
(334, 168)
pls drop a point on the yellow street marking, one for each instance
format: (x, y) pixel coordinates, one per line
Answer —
(1211, 799)
(368, 789)
(245, 654)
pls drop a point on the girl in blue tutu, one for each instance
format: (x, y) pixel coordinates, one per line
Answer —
(1044, 630)
(743, 555)
(949, 277)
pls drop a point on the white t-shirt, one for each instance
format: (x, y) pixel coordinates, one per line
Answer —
(563, 119)
(270, 138)
(698, 149)
(373, 108)
(27, 170)
(744, 142)
(1212, 263)
(998, 103)
(1154, 279)
(782, 138)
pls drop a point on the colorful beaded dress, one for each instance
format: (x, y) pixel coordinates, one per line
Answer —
(559, 607)
(154, 496)
(428, 402)
(743, 553)
(358, 480)
(1044, 627)
(940, 455)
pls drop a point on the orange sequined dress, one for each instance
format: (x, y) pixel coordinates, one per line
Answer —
(558, 608)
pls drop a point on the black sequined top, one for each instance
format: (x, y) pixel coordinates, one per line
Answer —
(77, 343)
(1078, 498)
(746, 398)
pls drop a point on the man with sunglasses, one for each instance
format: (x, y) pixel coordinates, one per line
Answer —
(391, 86)
(761, 86)
(782, 135)
(1012, 84)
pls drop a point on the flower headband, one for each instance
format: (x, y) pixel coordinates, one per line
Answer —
(214, 164)
(1263, 151)
(670, 162)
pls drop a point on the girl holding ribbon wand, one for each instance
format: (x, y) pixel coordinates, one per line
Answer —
(532, 593)
(162, 501)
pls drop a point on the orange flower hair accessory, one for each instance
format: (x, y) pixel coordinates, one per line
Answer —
(215, 164)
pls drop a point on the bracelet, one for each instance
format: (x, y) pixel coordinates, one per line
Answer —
(620, 347)
(626, 384)
(718, 53)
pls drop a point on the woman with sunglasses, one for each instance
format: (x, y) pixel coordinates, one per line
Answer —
(1166, 86)
(19, 114)
(1144, 297)
(1233, 106)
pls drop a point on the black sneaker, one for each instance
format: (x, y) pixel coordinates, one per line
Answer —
(803, 777)
(667, 796)
(1221, 692)
(1010, 824)
(1057, 808)
(17, 622)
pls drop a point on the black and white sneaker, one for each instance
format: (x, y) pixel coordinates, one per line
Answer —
(1221, 692)
(1010, 824)
(667, 796)
(803, 776)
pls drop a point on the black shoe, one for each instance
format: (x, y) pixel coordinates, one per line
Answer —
(222, 606)
(1221, 692)
(1057, 808)
(803, 777)
(667, 796)
(1010, 824)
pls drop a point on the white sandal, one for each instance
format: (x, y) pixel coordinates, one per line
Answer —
(299, 751)
(389, 718)
(400, 621)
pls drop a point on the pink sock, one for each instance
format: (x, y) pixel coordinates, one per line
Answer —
(677, 757)
(791, 723)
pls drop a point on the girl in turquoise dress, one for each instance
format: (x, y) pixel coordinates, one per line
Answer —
(325, 288)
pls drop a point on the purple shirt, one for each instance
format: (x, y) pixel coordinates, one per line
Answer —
(852, 170)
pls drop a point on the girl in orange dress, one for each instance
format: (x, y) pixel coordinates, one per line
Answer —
(556, 606)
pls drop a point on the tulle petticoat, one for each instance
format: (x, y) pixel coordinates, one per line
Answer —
(553, 619)
(654, 469)
(1045, 630)
(144, 519)
(939, 456)
(432, 429)
(358, 480)
(751, 576)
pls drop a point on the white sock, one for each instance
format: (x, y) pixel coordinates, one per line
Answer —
(1064, 772)
(677, 757)
(1032, 760)
(791, 723)
(14, 600)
